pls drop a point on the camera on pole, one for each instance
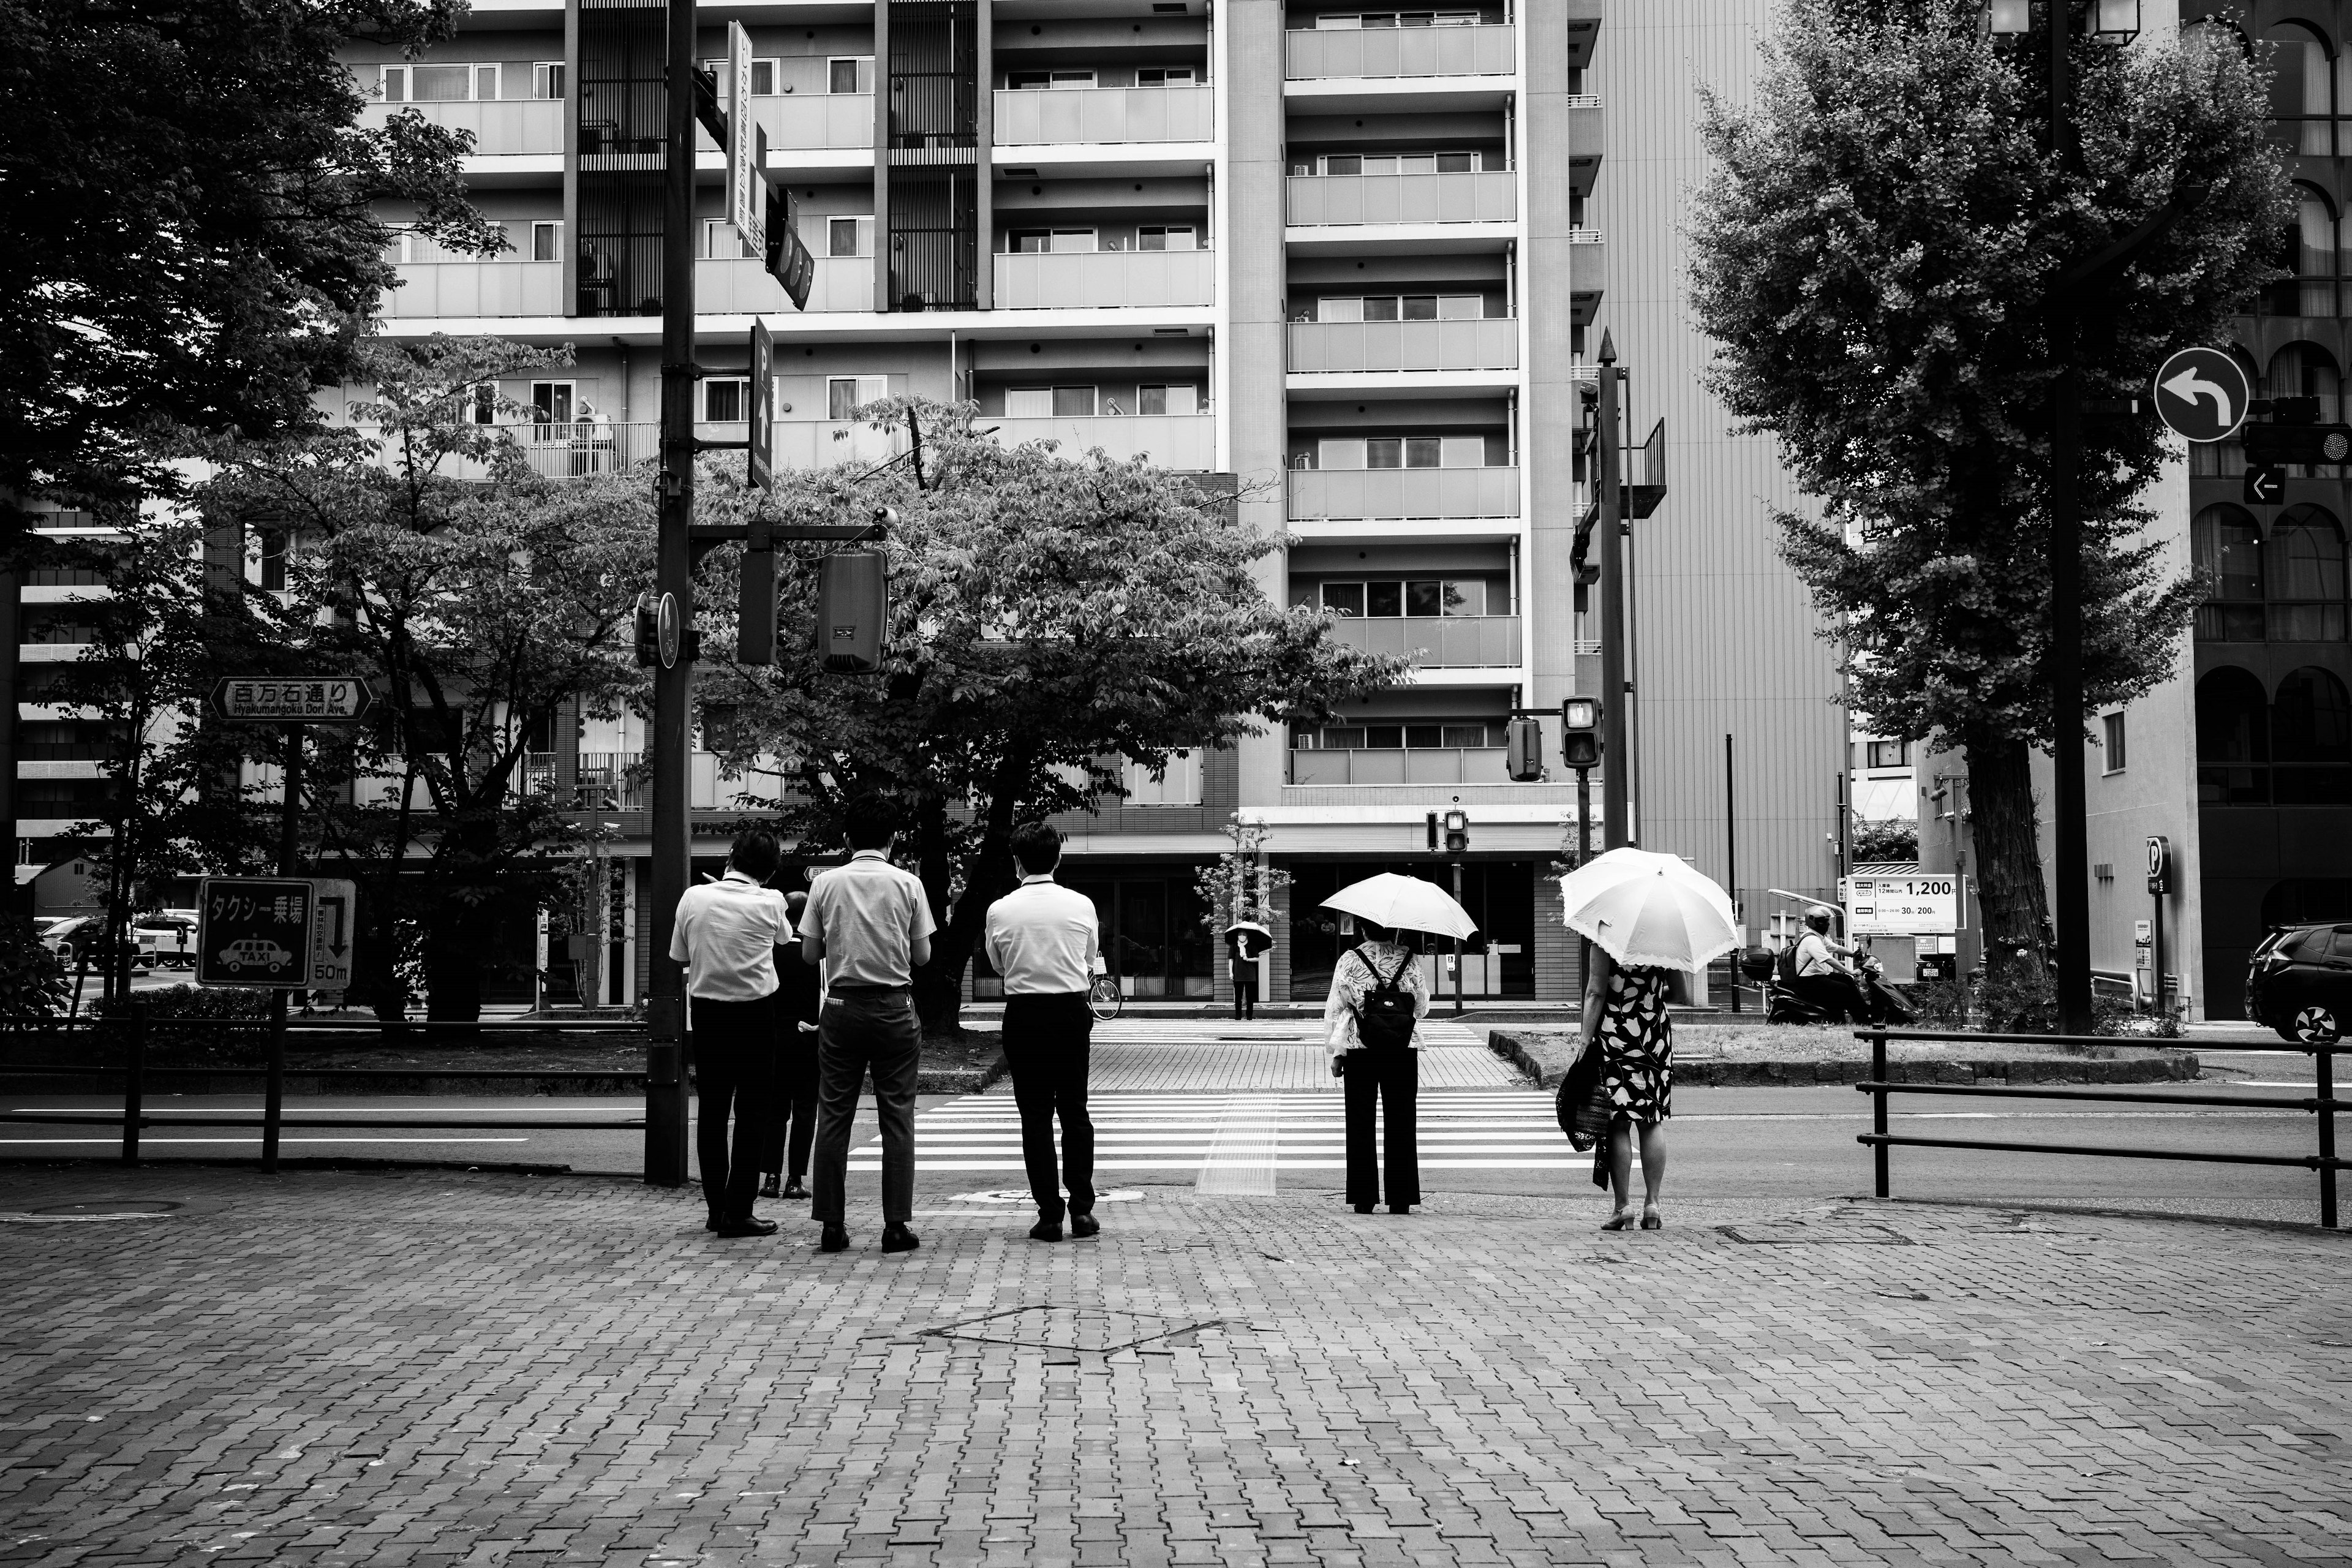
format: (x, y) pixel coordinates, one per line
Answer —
(1579, 742)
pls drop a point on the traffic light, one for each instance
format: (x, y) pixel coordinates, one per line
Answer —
(648, 631)
(853, 601)
(1457, 831)
(2276, 445)
(755, 605)
(1523, 750)
(1580, 744)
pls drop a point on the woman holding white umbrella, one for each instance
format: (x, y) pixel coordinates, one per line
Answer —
(1646, 915)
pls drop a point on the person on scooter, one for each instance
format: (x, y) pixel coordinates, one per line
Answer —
(1824, 973)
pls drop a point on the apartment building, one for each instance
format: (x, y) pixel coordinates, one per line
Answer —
(1349, 255)
(52, 770)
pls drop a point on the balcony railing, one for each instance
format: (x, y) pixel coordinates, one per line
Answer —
(1184, 441)
(744, 288)
(1103, 279)
(1438, 642)
(1349, 494)
(1467, 197)
(1450, 765)
(615, 781)
(1491, 343)
(475, 289)
(1310, 54)
(817, 120)
(532, 125)
(1106, 114)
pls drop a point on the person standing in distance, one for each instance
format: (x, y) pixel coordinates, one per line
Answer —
(792, 1118)
(871, 926)
(1044, 938)
(726, 935)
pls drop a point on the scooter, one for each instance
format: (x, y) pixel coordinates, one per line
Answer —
(1784, 1002)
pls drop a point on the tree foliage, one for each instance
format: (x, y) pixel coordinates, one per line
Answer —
(187, 237)
(479, 598)
(1877, 252)
(1049, 615)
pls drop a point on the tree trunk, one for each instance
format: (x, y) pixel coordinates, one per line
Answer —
(455, 939)
(2008, 851)
(988, 876)
(376, 951)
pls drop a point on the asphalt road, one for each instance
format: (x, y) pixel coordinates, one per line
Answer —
(1792, 1144)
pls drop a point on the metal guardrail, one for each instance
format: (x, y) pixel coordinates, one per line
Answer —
(2324, 1104)
(663, 1080)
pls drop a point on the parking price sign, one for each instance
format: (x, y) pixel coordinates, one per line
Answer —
(255, 930)
(1915, 905)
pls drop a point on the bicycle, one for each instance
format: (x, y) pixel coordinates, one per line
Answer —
(1103, 998)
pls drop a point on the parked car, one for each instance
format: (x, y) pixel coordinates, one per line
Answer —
(2299, 982)
(167, 940)
(66, 937)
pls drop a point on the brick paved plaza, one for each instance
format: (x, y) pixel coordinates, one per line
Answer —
(456, 1368)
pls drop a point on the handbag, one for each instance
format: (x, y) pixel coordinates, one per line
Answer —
(1580, 1104)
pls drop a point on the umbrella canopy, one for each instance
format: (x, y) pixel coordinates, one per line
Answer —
(1389, 899)
(1255, 938)
(1652, 910)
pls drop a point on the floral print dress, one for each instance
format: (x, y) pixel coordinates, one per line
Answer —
(1637, 1047)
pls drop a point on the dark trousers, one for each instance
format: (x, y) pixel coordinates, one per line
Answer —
(1246, 994)
(734, 1050)
(792, 1109)
(862, 1031)
(1046, 1042)
(1393, 1078)
(1837, 994)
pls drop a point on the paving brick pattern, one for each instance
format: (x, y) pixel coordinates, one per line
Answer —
(477, 1370)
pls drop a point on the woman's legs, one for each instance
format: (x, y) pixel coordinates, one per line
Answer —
(1653, 1164)
(1621, 1164)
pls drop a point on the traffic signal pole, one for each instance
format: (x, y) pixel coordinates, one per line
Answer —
(665, 1117)
(2068, 804)
(1610, 529)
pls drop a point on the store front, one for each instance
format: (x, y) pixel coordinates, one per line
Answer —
(1498, 961)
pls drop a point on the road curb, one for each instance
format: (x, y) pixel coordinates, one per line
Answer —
(1544, 1068)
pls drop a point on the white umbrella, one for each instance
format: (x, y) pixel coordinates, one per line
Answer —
(1650, 910)
(1389, 899)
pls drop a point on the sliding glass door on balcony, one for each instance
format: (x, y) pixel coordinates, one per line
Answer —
(1487, 50)
(1106, 114)
(1485, 344)
(1475, 197)
(1103, 279)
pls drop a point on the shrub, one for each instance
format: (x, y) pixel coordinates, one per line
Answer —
(2023, 1000)
(33, 984)
(209, 1005)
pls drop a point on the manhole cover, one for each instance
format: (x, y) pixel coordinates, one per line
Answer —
(1097, 1329)
(97, 1209)
(1798, 1234)
(1021, 1196)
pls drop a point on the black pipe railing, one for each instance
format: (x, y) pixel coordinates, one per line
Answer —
(2322, 1104)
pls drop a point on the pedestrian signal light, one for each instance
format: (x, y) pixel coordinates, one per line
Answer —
(1523, 751)
(1457, 831)
(852, 603)
(1579, 719)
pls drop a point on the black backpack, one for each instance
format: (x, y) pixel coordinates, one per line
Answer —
(1385, 1017)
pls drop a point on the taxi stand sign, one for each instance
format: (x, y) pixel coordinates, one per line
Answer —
(255, 930)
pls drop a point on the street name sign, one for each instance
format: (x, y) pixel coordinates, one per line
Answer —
(292, 700)
(2203, 394)
(1912, 905)
(747, 206)
(255, 930)
(2265, 485)
(333, 901)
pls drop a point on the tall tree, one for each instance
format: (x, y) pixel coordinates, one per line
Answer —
(187, 227)
(1049, 615)
(479, 596)
(1876, 252)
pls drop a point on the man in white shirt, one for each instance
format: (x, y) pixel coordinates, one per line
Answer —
(1043, 939)
(871, 924)
(1824, 976)
(726, 935)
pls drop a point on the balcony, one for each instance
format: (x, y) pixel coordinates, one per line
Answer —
(526, 127)
(475, 289)
(1490, 343)
(1103, 279)
(1437, 642)
(744, 288)
(817, 121)
(1587, 140)
(616, 780)
(1316, 54)
(1587, 271)
(1319, 495)
(1181, 441)
(1106, 114)
(1319, 200)
(1450, 765)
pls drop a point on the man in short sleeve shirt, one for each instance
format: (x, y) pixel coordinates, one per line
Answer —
(870, 924)
(726, 935)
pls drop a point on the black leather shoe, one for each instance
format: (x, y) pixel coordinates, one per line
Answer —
(749, 1225)
(897, 1237)
(1045, 1230)
(835, 1239)
(768, 1188)
(1084, 1225)
(1399, 1208)
(1365, 1208)
(792, 1189)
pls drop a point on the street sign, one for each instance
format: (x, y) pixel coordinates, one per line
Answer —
(1903, 906)
(288, 700)
(665, 630)
(762, 410)
(2203, 394)
(747, 193)
(2265, 487)
(254, 931)
(2160, 863)
(333, 902)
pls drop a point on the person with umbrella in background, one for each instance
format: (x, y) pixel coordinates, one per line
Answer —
(1371, 1028)
(1646, 915)
(1244, 940)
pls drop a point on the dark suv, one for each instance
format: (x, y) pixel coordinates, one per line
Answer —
(2299, 982)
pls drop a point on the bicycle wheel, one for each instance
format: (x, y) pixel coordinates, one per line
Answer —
(1103, 997)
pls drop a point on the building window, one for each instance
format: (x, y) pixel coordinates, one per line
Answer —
(2304, 571)
(547, 78)
(1167, 237)
(545, 239)
(270, 573)
(2228, 551)
(1037, 82)
(2305, 88)
(2112, 756)
(1887, 754)
(2311, 249)
(721, 242)
(1402, 308)
(850, 73)
(1329, 163)
(1421, 735)
(1402, 452)
(1398, 598)
(845, 393)
(485, 403)
(1179, 785)
(2311, 739)
(439, 84)
(849, 236)
(1165, 76)
(726, 400)
(2232, 740)
(1167, 400)
(1061, 241)
(551, 406)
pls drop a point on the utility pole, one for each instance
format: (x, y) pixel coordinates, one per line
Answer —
(2068, 805)
(1610, 528)
(666, 1120)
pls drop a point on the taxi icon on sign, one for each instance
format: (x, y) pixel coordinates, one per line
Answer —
(255, 953)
